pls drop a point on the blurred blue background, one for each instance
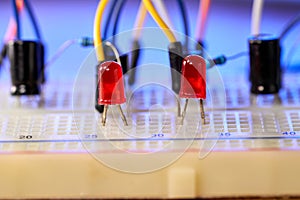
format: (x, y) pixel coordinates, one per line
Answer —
(227, 31)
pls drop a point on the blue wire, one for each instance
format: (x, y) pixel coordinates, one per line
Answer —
(117, 12)
(185, 21)
(289, 26)
(16, 14)
(109, 18)
(33, 19)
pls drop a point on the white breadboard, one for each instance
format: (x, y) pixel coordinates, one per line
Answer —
(58, 148)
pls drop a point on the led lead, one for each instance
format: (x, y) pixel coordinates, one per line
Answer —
(111, 88)
(193, 82)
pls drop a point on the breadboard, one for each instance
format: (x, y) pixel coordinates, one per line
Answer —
(252, 149)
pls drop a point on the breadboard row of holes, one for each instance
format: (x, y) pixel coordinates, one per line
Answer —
(237, 123)
(61, 97)
(276, 123)
(235, 98)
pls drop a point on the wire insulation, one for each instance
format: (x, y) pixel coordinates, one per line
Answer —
(97, 30)
(119, 8)
(139, 21)
(11, 31)
(237, 55)
(257, 8)
(165, 28)
(161, 8)
(60, 51)
(33, 19)
(185, 21)
(202, 19)
(108, 19)
(290, 26)
(17, 19)
(115, 51)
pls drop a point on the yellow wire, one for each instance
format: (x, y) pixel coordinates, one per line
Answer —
(153, 12)
(142, 15)
(139, 21)
(97, 30)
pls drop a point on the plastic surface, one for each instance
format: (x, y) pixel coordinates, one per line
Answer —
(221, 174)
(256, 139)
(257, 154)
(110, 84)
(193, 82)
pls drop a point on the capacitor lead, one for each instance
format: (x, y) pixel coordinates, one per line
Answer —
(111, 88)
(193, 82)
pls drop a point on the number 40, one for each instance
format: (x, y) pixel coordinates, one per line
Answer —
(289, 133)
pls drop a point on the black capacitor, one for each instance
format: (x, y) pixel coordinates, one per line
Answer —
(135, 55)
(200, 48)
(26, 66)
(124, 63)
(2, 54)
(176, 58)
(265, 71)
(99, 108)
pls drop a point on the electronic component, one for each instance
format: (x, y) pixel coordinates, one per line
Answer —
(99, 49)
(136, 46)
(111, 53)
(175, 56)
(175, 47)
(135, 55)
(200, 48)
(86, 41)
(2, 54)
(64, 137)
(26, 66)
(193, 82)
(26, 57)
(265, 71)
(111, 88)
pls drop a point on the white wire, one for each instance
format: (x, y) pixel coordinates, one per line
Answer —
(60, 51)
(114, 49)
(257, 8)
(161, 8)
(159, 5)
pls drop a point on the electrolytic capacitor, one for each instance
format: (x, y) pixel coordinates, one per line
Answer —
(175, 57)
(265, 71)
(193, 82)
(111, 88)
(26, 66)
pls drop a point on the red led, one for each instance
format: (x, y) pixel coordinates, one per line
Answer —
(193, 80)
(111, 84)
